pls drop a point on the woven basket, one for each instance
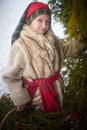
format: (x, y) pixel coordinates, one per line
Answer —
(5, 117)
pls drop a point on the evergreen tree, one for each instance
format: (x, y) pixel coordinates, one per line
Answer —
(73, 15)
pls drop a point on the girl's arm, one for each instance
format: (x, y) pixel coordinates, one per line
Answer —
(72, 48)
(13, 78)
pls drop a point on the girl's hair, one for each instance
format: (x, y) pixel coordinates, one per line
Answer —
(18, 29)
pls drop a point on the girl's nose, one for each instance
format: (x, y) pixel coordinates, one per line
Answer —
(44, 24)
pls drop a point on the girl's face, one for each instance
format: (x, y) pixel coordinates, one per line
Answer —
(41, 23)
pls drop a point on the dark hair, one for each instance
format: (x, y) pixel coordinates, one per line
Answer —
(19, 27)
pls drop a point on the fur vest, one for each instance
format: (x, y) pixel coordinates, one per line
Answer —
(42, 55)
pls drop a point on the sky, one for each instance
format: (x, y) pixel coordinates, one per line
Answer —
(10, 13)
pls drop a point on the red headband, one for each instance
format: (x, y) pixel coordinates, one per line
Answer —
(35, 6)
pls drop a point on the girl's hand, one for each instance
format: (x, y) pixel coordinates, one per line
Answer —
(20, 108)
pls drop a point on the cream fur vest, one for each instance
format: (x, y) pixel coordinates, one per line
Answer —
(42, 55)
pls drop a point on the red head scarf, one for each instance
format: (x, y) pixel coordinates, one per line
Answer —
(35, 9)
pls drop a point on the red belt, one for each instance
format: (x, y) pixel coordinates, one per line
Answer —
(47, 90)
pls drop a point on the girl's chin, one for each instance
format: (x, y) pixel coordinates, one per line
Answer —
(41, 32)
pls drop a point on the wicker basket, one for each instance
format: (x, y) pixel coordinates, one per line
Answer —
(5, 117)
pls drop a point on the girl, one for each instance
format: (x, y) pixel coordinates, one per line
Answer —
(36, 57)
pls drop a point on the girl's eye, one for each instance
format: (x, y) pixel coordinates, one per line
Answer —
(39, 20)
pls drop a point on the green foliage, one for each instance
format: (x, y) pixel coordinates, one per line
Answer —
(5, 105)
(75, 89)
(30, 119)
(73, 14)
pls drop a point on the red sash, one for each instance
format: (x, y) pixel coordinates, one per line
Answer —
(48, 94)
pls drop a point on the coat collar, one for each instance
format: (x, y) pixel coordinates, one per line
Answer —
(28, 32)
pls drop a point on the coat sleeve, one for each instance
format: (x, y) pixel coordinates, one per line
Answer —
(13, 78)
(72, 48)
